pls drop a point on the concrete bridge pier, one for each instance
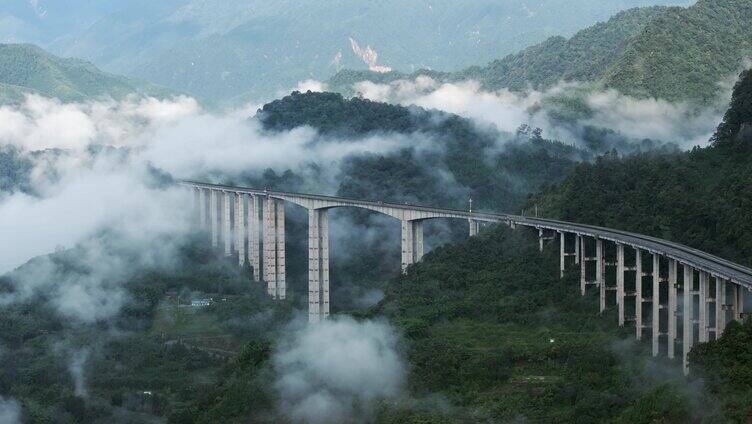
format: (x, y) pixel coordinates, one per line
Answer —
(412, 241)
(638, 293)
(720, 306)
(213, 218)
(577, 242)
(738, 302)
(474, 227)
(671, 342)
(600, 279)
(274, 247)
(240, 228)
(583, 266)
(562, 254)
(688, 314)
(202, 208)
(318, 264)
(656, 315)
(620, 282)
(197, 204)
(703, 306)
(226, 223)
(254, 254)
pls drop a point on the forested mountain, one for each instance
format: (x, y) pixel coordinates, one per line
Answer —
(671, 53)
(489, 166)
(26, 69)
(254, 49)
(583, 57)
(698, 198)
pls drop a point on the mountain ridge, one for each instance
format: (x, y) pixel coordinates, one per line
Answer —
(671, 53)
(28, 69)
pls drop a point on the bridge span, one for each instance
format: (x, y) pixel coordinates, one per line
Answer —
(647, 290)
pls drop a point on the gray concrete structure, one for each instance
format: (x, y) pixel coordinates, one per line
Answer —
(254, 238)
(274, 247)
(240, 238)
(213, 218)
(656, 303)
(638, 293)
(226, 223)
(725, 274)
(203, 222)
(688, 314)
(600, 280)
(318, 264)
(672, 285)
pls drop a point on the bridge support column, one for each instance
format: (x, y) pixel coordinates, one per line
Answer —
(720, 306)
(703, 307)
(318, 265)
(562, 254)
(577, 248)
(226, 223)
(656, 318)
(583, 267)
(599, 277)
(202, 208)
(620, 282)
(274, 247)
(474, 227)
(688, 315)
(738, 302)
(540, 239)
(197, 204)
(240, 228)
(412, 242)
(254, 255)
(638, 293)
(214, 218)
(671, 308)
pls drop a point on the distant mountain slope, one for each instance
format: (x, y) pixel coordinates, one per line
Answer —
(584, 57)
(671, 53)
(255, 48)
(25, 68)
(684, 53)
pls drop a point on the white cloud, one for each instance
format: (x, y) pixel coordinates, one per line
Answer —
(333, 371)
(10, 411)
(635, 118)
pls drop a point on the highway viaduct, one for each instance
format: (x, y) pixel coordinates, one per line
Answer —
(667, 291)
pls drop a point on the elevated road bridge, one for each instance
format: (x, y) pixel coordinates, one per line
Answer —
(656, 281)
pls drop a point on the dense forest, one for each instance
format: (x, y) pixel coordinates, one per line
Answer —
(493, 335)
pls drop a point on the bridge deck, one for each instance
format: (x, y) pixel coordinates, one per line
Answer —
(700, 260)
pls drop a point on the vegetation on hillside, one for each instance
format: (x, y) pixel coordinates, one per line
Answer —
(678, 54)
(27, 69)
(145, 361)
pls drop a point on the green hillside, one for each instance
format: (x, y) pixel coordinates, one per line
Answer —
(684, 53)
(672, 53)
(25, 69)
